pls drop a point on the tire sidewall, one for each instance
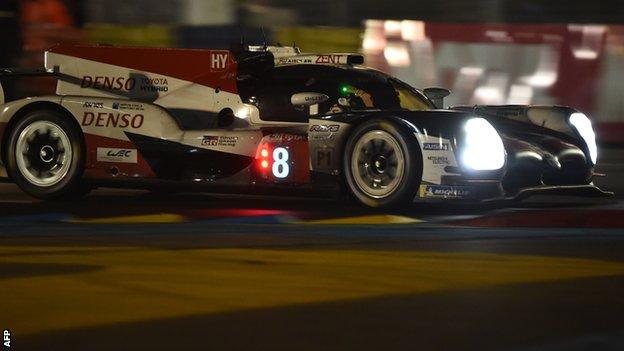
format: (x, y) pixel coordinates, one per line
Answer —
(71, 182)
(408, 187)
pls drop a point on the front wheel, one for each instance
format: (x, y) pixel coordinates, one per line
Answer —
(382, 164)
(46, 156)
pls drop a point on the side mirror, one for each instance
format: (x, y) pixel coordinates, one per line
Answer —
(437, 95)
(308, 99)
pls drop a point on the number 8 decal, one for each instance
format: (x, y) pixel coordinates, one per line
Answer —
(280, 163)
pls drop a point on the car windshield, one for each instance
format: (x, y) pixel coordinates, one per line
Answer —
(368, 89)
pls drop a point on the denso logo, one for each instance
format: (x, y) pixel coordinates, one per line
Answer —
(112, 120)
(108, 83)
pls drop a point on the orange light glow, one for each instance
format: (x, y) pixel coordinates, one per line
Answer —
(264, 163)
(264, 153)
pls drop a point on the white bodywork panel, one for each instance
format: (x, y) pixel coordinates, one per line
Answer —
(171, 93)
(437, 154)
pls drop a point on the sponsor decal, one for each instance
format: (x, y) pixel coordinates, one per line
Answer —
(228, 141)
(108, 83)
(89, 104)
(116, 155)
(438, 160)
(444, 191)
(210, 140)
(283, 137)
(112, 120)
(328, 59)
(214, 140)
(156, 84)
(294, 60)
(218, 60)
(436, 146)
(128, 106)
(333, 128)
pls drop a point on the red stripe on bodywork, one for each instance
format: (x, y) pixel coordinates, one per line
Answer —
(103, 170)
(194, 65)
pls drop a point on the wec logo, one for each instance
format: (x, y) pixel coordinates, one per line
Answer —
(120, 153)
(116, 155)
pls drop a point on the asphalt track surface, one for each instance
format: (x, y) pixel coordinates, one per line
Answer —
(128, 270)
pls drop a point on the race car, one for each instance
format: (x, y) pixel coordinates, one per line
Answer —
(273, 119)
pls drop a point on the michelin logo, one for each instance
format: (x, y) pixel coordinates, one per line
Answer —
(444, 191)
(116, 155)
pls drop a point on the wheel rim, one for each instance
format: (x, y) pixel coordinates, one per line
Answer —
(377, 164)
(43, 153)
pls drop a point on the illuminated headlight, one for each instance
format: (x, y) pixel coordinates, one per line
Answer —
(483, 149)
(583, 126)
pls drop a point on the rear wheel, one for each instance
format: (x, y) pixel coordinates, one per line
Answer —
(46, 156)
(382, 164)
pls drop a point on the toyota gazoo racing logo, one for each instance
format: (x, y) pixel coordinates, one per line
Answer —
(116, 155)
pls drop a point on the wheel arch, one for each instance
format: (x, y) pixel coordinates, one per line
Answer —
(24, 111)
(407, 128)
(363, 119)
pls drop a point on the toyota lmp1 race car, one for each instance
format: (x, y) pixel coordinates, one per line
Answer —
(273, 118)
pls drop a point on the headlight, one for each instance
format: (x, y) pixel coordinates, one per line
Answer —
(483, 149)
(583, 126)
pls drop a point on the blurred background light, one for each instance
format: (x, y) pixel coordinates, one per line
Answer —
(397, 55)
(549, 55)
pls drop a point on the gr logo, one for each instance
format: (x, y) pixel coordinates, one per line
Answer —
(218, 60)
(116, 155)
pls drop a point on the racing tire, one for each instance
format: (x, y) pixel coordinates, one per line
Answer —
(46, 156)
(382, 164)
